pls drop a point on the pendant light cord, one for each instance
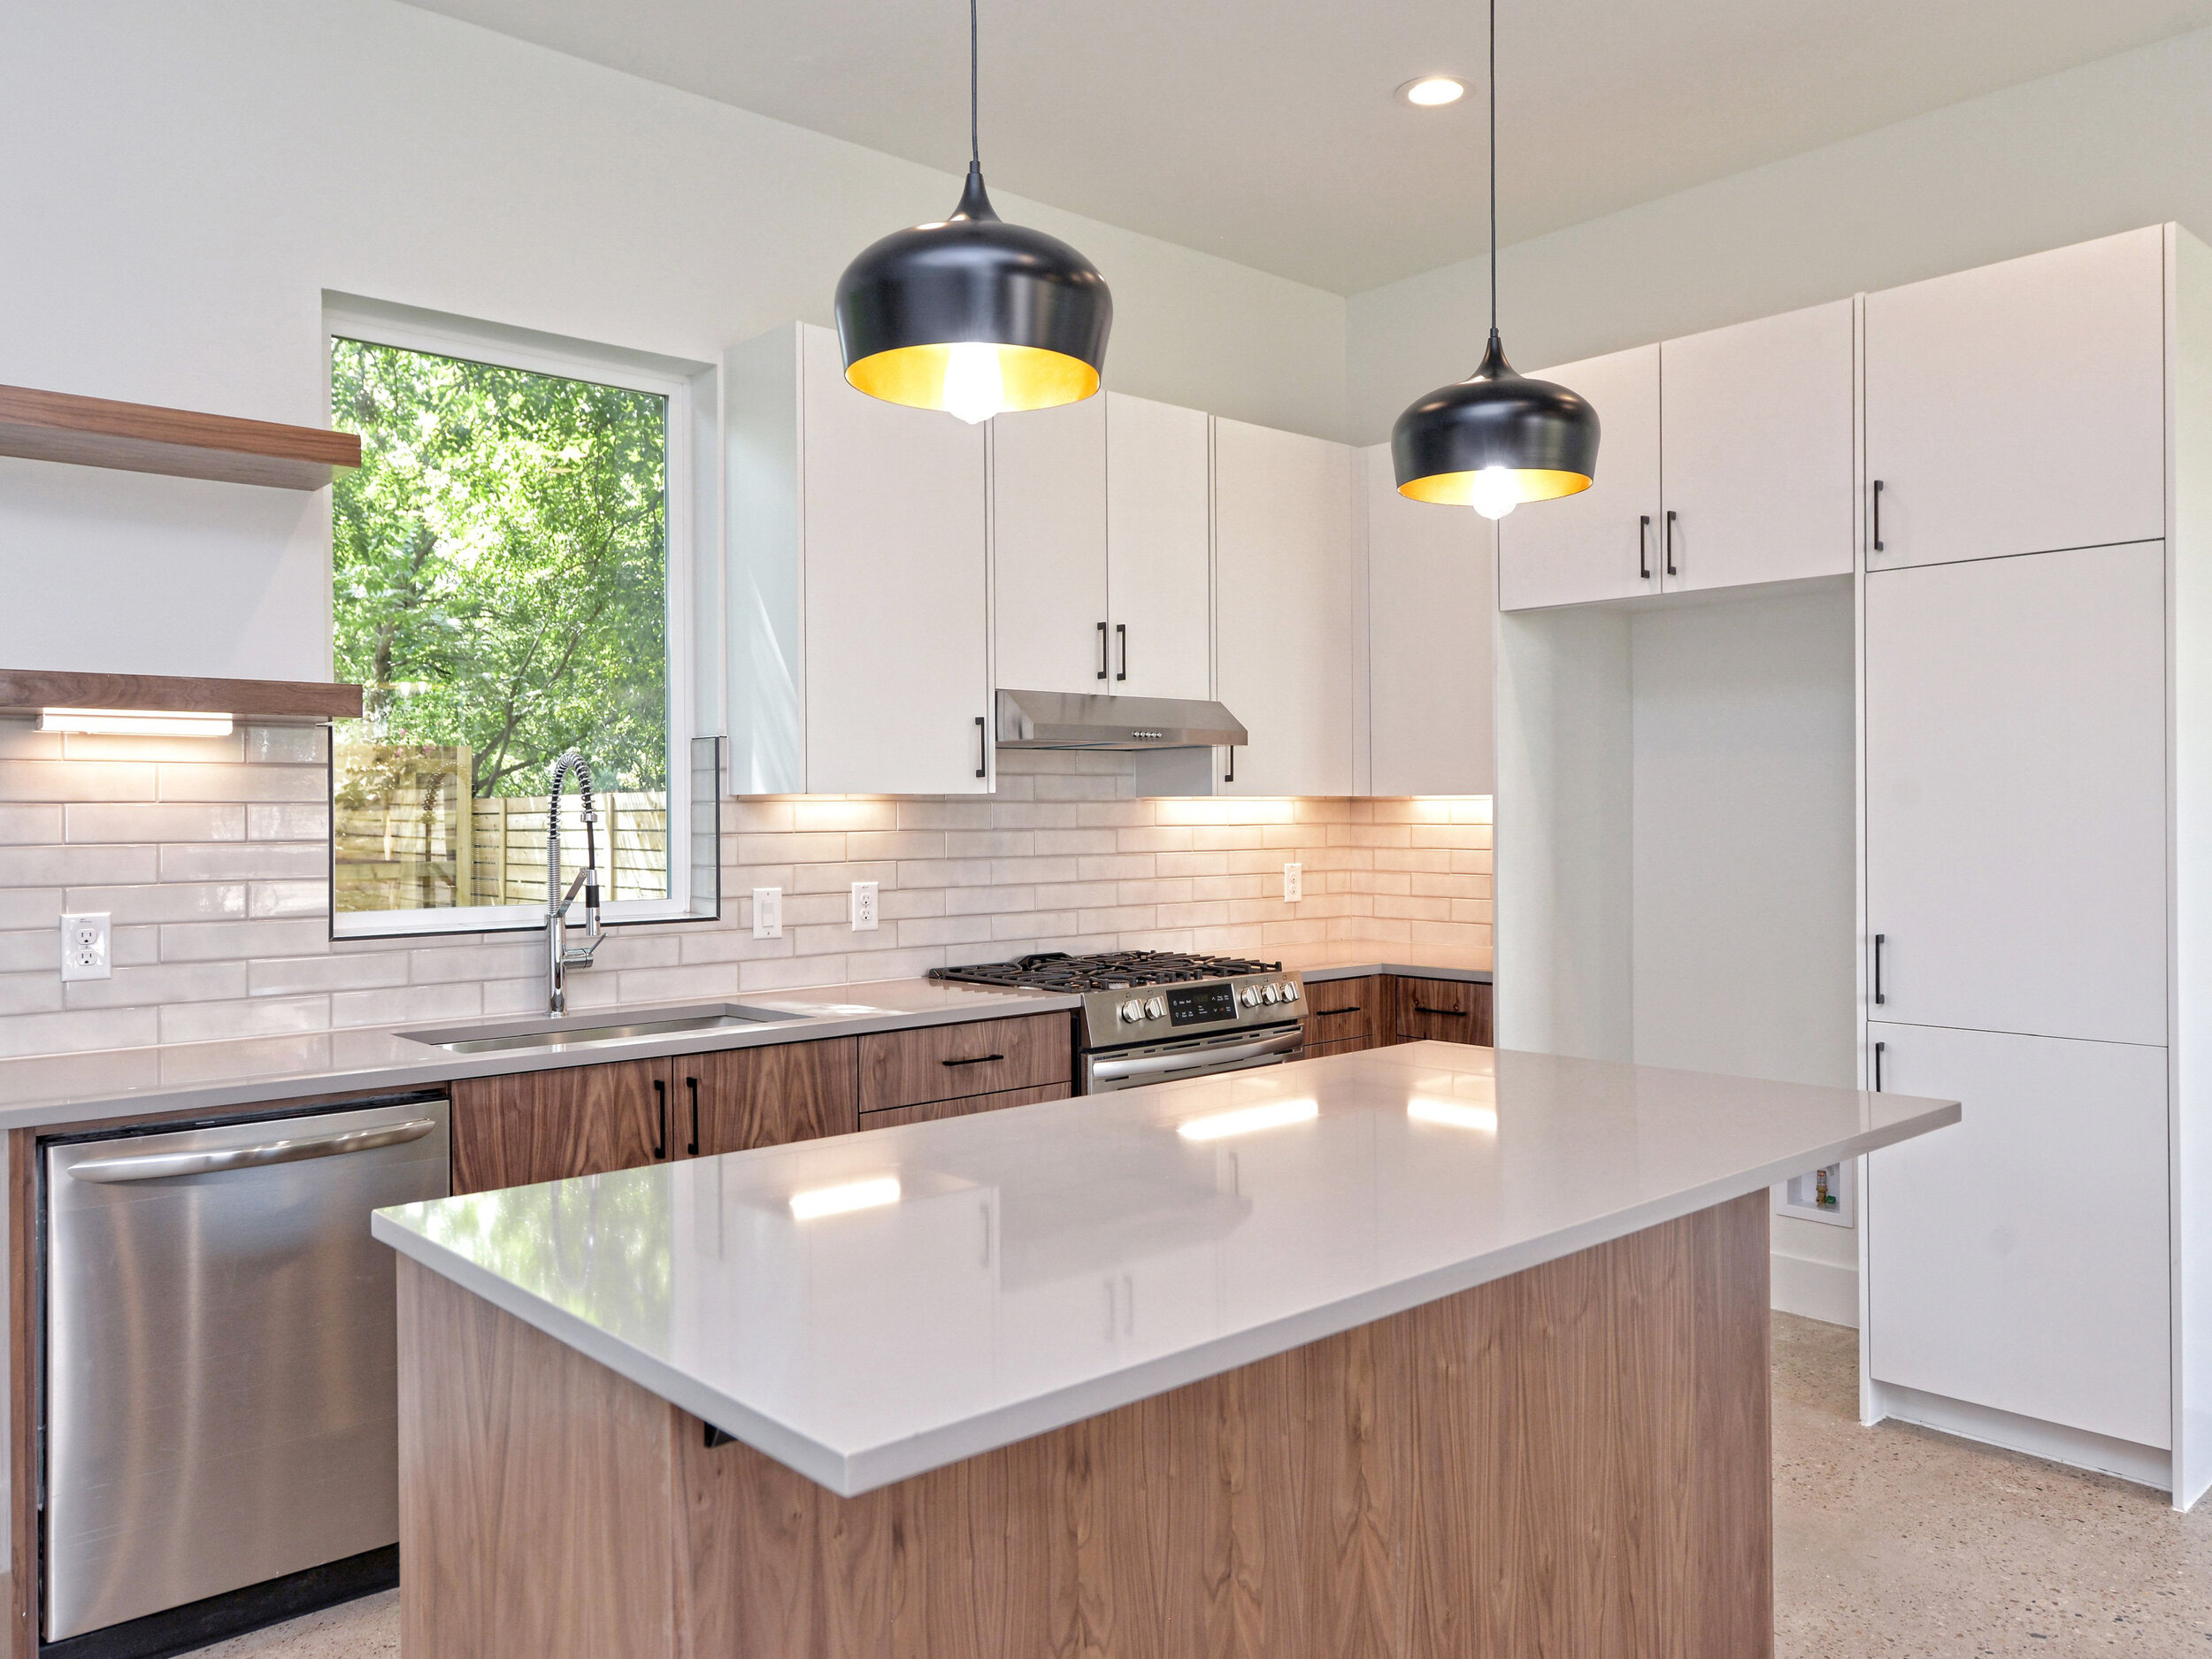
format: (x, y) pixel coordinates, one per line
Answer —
(1494, 166)
(975, 150)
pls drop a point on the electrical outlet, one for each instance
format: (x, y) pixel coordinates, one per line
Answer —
(84, 947)
(768, 912)
(1294, 883)
(864, 906)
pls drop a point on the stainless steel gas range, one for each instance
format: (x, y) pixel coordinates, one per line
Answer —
(1152, 1016)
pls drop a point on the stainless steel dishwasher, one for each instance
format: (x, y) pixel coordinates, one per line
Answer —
(220, 1402)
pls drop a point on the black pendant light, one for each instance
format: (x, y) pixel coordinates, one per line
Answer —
(970, 314)
(1497, 438)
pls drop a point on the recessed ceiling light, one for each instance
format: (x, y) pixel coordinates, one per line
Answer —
(1431, 90)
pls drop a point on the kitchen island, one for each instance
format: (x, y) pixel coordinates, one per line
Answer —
(1430, 1350)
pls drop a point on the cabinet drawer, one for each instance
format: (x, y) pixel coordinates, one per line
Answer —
(892, 1117)
(1344, 1010)
(1446, 1010)
(984, 1056)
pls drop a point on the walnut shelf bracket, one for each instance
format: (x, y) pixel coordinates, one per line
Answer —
(141, 438)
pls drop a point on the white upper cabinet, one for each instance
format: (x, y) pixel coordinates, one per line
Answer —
(1755, 424)
(1603, 543)
(2016, 793)
(1430, 609)
(2020, 407)
(1049, 547)
(859, 591)
(1159, 502)
(1101, 531)
(1283, 551)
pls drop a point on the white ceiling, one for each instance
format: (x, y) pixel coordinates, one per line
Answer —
(1267, 130)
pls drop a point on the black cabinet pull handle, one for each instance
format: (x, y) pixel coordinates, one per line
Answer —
(692, 1151)
(1643, 546)
(982, 748)
(1121, 632)
(1102, 650)
(1879, 941)
(1878, 515)
(660, 1140)
(1671, 569)
(1878, 1048)
(981, 1059)
(1453, 1013)
(1230, 776)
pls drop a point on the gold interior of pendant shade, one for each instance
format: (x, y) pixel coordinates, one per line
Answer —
(1034, 377)
(1457, 489)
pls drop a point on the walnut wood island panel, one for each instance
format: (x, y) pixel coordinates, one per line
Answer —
(1429, 1350)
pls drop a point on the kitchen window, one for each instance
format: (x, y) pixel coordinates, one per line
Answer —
(511, 569)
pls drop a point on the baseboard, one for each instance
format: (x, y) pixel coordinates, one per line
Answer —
(2144, 1465)
(1827, 1291)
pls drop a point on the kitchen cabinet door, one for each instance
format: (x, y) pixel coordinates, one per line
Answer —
(2016, 784)
(1049, 547)
(1159, 507)
(549, 1125)
(897, 622)
(2019, 407)
(951, 1062)
(1603, 543)
(1432, 600)
(1282, 553)
(2018, 1259)
(1755, 424)
(767, 1097)
(1345, 1014)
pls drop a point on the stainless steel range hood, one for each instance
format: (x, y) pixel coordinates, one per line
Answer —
(1070, 719)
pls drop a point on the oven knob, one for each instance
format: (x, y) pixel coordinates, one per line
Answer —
(1251, 997)
(1268, 993)
(1290, 992)
(1154, 1009)
(1132, 1011)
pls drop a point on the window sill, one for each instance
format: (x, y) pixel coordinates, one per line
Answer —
(506, 918)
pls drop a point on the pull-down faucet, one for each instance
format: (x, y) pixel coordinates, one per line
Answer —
(560, 956)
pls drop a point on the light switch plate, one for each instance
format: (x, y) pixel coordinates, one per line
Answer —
(864, 906)
(85, 954)
(1294, 883)
(768, 912)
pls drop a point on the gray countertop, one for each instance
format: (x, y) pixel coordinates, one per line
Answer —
(172, 1077)
(866, 1307)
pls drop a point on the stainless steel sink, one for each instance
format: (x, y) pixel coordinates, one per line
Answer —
(585, 1030)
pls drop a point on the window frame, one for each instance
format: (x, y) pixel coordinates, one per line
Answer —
(687, 389)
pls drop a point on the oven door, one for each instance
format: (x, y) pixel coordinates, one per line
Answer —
(1111, 1069)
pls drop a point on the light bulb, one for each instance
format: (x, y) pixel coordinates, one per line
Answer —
(974, 388)
(1496, 492)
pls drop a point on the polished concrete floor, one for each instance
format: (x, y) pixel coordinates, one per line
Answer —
(1888, 1541)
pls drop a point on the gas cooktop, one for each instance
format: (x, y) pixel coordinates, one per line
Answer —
(1110, 971)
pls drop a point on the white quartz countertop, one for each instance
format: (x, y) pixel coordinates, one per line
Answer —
(204, 1076)
(869, 1307)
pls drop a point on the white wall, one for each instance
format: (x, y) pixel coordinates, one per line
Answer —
(185, 178)
(2103, 147)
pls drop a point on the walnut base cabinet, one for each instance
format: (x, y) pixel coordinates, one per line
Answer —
(1346, 1016)
(769, 1096)
(1442, 1010)
(931, 1111)
(549, 1125)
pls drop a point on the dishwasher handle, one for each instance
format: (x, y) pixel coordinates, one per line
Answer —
(151, 1166)
(1114, 1071)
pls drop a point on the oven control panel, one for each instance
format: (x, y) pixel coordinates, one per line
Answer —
(1147, 1013)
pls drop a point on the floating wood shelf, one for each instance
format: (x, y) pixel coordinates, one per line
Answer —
(141, 438)
(28, 688)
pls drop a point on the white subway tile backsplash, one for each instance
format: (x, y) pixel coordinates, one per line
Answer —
(214, 863)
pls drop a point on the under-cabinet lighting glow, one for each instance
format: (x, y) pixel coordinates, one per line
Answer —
(838, 1200)
(1249, 1119)
(1456, 1114)
(134, 723)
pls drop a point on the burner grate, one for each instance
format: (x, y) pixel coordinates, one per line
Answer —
(1109, 971)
